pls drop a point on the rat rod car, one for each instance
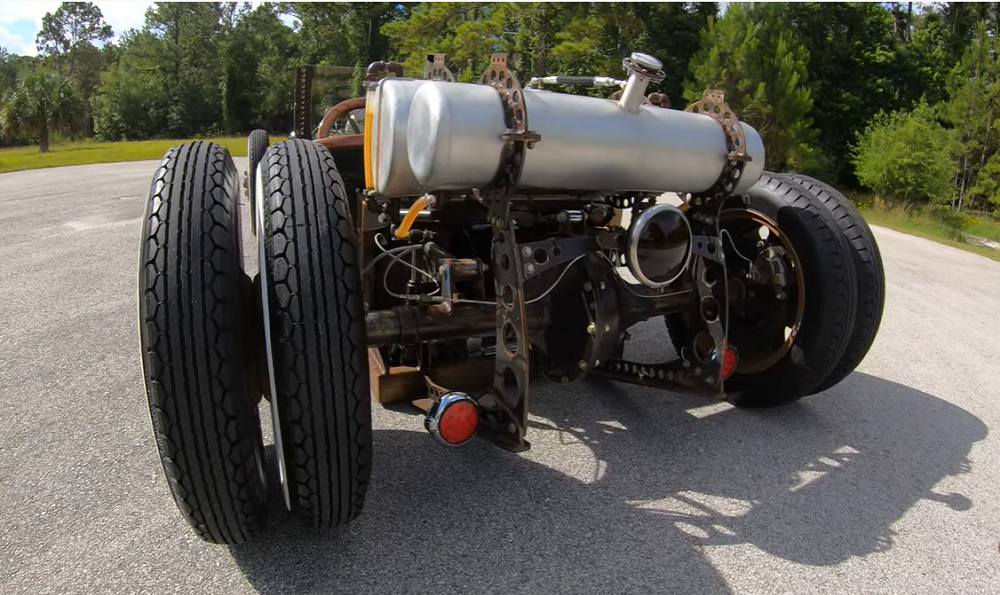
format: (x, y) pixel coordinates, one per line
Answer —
(469, 240)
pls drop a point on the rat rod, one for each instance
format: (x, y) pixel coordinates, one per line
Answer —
(454, 242)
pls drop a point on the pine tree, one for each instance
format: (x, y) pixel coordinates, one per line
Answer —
(752, 55)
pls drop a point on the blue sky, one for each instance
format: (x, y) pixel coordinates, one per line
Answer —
(21, 21)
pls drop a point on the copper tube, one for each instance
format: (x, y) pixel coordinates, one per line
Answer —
(377, 68)
(337, 112)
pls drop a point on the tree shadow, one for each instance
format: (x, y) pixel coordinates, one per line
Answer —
(647, 480)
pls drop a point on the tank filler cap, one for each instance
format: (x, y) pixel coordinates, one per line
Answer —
(642, 69)
(647, 62)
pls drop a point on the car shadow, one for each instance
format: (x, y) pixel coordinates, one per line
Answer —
(648, 484)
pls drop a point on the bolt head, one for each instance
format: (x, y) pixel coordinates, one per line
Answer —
(603, 286)
(591, 329)
(526, 251)
(607, 328)
(583, 365)
(530, 269)
(587, 286)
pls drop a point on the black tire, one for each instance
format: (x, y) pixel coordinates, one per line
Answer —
(257, 144)
(193, 295)
(867, 266)
(315, 320)
(830, 293)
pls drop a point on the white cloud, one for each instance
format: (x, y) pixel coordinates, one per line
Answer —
(15, 44)
(123, 16)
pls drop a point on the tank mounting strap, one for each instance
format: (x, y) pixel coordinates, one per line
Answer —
(713, 105)
(512, 96)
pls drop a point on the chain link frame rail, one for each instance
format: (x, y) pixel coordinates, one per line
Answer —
(505, 408)
(689, 371)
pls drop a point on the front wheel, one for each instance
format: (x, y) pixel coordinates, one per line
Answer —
(315, 333)
(193, 300)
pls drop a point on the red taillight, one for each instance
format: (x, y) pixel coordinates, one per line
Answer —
(458, 422)
(729, 361)
(453, 419)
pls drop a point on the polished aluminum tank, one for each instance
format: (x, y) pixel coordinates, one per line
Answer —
(452, 142)
(389, 112)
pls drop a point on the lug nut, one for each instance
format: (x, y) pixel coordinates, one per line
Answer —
(591, 329)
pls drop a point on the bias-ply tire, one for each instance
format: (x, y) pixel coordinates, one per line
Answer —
(829, 304)
(315, 331)
(257, 144)
(867, 266)
(193, 296)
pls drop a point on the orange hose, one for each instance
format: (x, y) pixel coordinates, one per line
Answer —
(411, 216)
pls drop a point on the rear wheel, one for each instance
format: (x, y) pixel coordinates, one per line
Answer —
(193, 300)
(792, 294)
(867, 266)
(315, 333)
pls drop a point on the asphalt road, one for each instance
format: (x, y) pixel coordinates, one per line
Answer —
(887, 483)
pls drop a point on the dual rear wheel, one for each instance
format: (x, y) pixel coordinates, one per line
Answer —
(806, 290)
(200, 343)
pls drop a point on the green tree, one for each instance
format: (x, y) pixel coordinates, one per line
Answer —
(906, 155)
(854, 69)
(188, 63)
(973, 109)
(754, 57)
(467, 32)
(72, 25)
(259, 56)
(132, 101)
(40, 104)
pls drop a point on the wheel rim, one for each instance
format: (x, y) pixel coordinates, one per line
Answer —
(266, 310)
(761, 325)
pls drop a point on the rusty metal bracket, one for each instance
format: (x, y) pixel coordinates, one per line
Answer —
(713, 105)
(302, 109)
(516, 114)
(436, 70)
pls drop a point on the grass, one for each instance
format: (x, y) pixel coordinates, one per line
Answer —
(89, 151)
(917, 221)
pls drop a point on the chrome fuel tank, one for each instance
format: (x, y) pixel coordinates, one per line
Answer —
(389, 161)
(450, 137)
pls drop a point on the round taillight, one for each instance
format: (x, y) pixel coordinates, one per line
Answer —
(659, 245)
(453, 419)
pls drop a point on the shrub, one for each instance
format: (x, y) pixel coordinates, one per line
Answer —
(906, 156)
